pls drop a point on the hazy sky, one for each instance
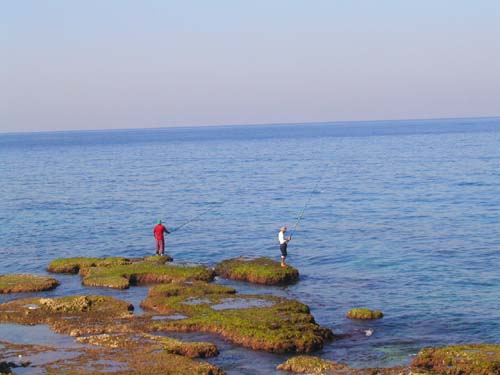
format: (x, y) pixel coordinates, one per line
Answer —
(133, 64)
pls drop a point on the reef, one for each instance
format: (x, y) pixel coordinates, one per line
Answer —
(158, 258)
(21, 283)
(364, 314)
(474, 359)
(73, 265)
(73, 315)
(259, 322)
(134, 356)
(121, 273)
(145, 272)
(106, 322)
(152, 342)
(305, 364)
(259, 271)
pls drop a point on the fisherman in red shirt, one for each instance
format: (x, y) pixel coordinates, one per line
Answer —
(158, 231)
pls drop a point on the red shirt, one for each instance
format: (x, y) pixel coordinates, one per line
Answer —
(158, 231)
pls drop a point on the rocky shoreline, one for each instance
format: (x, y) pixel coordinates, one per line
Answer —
(183, 299)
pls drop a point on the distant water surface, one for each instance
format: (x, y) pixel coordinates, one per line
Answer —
(404, 217)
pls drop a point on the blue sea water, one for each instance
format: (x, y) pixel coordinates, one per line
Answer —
(401, 216)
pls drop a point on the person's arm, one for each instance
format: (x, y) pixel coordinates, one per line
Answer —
(166, 230)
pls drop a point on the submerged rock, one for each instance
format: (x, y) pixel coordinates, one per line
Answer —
(21, 283)
(259, 271)
(474, 359)
(277, 325)
(364, 314)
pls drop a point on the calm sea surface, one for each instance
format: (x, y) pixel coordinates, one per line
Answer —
(403, 217)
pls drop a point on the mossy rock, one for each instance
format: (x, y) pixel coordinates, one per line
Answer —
(364, 314)
(260, 271)
(260, 322)
(474, 359)
(305, 364)
(73, 315)
(74, 265)
(136, 355)
(189, 288)
(20, 283)
(158, 259)
(188, 349)
(146, 272)
(152, 342)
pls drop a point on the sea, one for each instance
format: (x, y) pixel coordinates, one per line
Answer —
(398, 216)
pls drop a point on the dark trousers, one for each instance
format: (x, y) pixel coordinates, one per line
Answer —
(283, 249)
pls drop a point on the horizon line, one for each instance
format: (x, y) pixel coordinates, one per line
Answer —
(338, 122)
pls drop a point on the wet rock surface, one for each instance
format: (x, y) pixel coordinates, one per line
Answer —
(121, 273)
(364, 314)
(73, 315)
(117, 342)
(260, 271)
(314, 365)
(132, 357)
(23, 283)
(476, 359)
(74, 265)
(275, 325)
(152, 342)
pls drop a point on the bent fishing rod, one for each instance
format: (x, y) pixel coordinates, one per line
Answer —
(195, 218)
(301, 215)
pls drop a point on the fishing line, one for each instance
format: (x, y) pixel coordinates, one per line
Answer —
(306, 205)
(196, 217)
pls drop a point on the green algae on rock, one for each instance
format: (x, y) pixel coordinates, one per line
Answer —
(188, 349)
(474, 359)
(152, 342)
(260, 271)
(158, 258)
(146, 272)
(22, 283)
(305, 364)
(190, 288)
(364, 314)
(120, 273)
(73, 315)
(129, 360)
(74, 265)
(260, 322)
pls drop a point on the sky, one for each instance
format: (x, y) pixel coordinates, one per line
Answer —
(68, 65)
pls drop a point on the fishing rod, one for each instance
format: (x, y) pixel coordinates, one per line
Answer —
(195, 218)
(299, 218)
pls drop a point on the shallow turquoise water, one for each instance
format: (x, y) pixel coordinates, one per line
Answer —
(404, 218)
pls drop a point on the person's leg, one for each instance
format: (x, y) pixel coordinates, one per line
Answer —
(283, 254)
(157, 246)
(162, 247)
